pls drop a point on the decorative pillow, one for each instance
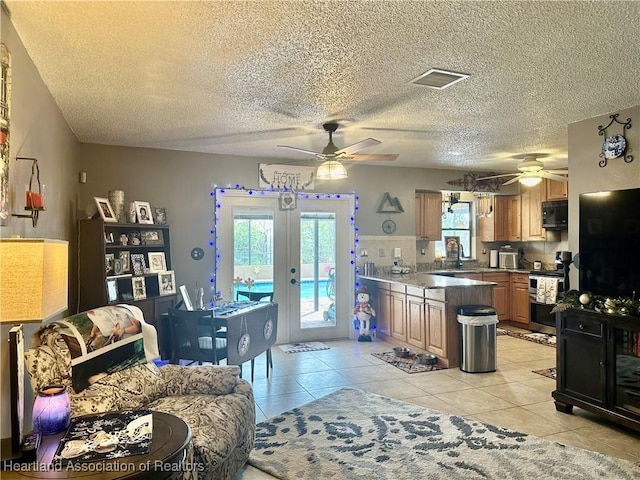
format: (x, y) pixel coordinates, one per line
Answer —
(204, 379)
(124, 390)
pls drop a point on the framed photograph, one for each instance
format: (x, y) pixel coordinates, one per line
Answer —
(105, 210)
(167, 282)
(134, 237)
(125, 258)
(112, 290)
(139, 288)
(451, 246)
(186, 299)
(160, 216)
(138, 263)
(287, 201)
(117, 266)
(108, 238)
(143, 211)
(108, 263)
(157, 262)
(151, 237)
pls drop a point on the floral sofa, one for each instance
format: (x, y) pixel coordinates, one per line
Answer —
(213, 400)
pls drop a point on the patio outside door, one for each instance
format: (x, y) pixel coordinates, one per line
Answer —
(303, 255)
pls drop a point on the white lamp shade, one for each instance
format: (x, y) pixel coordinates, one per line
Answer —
(331, 170)
(34, 279)
(529, 181)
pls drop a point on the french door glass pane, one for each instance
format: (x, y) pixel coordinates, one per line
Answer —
(253, 237)
(318, 262)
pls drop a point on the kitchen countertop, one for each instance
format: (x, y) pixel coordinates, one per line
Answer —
(448, 271)
(426, 280)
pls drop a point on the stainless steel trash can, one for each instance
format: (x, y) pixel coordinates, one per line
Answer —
(478, 338)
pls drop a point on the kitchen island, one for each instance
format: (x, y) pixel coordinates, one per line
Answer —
(419, 310)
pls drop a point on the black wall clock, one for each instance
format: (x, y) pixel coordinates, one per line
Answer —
(388, 226)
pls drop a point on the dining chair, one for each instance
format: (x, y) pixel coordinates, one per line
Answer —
(257, 297)
(194, 336)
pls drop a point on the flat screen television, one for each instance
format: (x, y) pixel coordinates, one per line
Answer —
(609, 260)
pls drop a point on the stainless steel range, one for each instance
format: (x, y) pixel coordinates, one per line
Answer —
(540, 317)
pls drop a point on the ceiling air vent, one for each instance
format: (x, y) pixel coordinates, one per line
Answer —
(438, 79)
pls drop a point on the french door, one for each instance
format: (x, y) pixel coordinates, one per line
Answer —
(302, 253)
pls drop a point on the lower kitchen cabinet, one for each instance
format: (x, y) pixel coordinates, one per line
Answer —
(501, 293)
(598, 358)
(383, 312)
(416, 324)
(398, 316)
(520, 299)
(436, 317)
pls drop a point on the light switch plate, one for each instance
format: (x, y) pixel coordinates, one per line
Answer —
(397, 252)
(381, 252)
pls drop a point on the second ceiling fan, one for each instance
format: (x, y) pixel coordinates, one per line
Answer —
(332, 152)
(531, 172)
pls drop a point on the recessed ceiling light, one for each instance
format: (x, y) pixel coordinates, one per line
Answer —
(438, 79)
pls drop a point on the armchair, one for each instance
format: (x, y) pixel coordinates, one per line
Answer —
(213, 400)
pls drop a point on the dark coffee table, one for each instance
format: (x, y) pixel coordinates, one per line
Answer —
(170, 438)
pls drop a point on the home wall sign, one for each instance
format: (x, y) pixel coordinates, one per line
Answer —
(286, 177)
(470, 182)
(614, 146)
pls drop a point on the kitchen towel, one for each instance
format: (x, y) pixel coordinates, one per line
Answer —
(547, 290)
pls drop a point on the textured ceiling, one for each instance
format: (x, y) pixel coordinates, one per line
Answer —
(241, 77)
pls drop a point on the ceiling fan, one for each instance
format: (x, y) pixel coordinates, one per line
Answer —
(531, 172)
(331, 152)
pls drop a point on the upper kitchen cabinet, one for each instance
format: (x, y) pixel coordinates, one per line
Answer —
(496, 227)
(556, 190)
(514, 218)
(531, 207)
(428, 216)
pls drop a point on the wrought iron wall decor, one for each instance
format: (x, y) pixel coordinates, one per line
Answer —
(34, 199)
(470, 182)
(5, 104)
(614, 146)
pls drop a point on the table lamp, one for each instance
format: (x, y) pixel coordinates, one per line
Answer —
(33, 287)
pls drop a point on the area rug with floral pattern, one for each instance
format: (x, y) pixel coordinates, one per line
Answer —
(353, 434)
(543, 338)
(302, 347)
(409, 364)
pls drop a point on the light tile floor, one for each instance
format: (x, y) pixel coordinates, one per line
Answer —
(512, 397)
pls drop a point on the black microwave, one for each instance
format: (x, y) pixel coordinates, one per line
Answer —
(555, 215)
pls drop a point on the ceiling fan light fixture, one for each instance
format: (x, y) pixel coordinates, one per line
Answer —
(530, 181)
(331, 170)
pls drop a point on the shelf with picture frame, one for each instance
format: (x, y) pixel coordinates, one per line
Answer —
(109, 265)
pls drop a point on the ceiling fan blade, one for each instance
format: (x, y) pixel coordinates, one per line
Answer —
(565, 171)
(356, 147)
(373, 157)
(513, 180)
(497, 176)
(300, 150)
(550, 176)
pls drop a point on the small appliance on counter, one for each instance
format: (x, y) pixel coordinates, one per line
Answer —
(508, 257)
(397, 267)
(537, 265)
(493, 259)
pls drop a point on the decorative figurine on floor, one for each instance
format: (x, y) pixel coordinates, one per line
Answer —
(363, 312)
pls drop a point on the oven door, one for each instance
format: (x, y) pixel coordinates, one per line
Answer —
(541, 319)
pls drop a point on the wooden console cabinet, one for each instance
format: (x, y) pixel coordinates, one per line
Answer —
(598, 365)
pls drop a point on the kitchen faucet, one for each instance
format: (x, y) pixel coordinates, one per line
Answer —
(458, 261)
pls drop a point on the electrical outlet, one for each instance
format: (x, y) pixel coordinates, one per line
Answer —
(422, 251)
(381, 252)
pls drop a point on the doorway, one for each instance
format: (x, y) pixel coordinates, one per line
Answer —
(302, 253)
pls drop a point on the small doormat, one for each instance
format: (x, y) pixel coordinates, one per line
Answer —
(546, 372)
(408, 365)
(302, 347)
(543, 338)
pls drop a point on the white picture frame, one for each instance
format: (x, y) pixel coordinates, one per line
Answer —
(125, 258)
(112, 290)
(288, 201)
(139, 288)
(186, 299)
(157, 262)
(143, 212)
(167, 282)
(105, 210)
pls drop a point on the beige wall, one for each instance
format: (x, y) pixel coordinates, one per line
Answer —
(37, 130)
(587, 176)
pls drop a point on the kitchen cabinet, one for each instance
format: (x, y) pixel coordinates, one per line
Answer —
(436, 316)
(514, 218)
(397, 317)
(501, 293)
(382, 291)
(556, 190)
(416, 324)
(470, 275)
(597, 363)
(428, 219)
(100, 244)
(519, 285)
(496, 227)
(531, 208)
